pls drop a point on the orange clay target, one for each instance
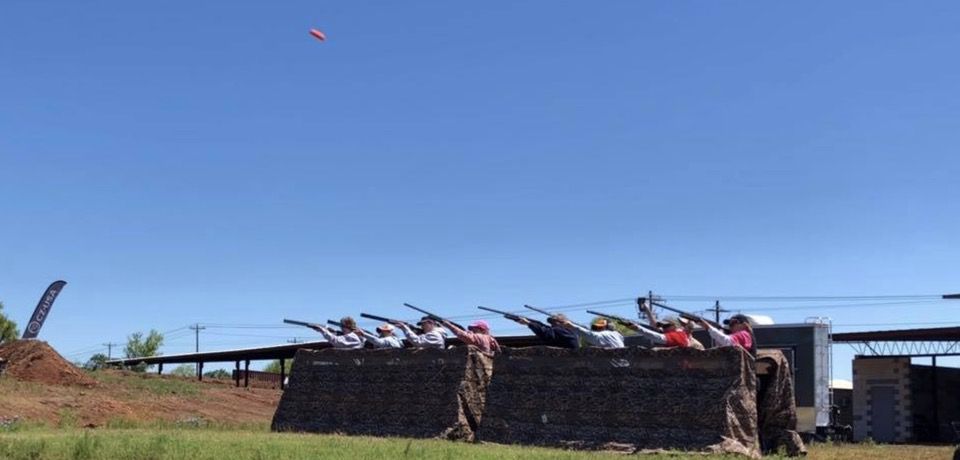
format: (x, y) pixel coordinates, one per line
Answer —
(318, 34)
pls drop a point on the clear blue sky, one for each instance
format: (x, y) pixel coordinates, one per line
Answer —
(181, 162)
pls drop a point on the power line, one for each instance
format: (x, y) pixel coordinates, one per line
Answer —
(852, 305)
(800, 298)
(229, 334)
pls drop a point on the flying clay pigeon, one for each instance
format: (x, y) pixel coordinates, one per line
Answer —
(318, 34)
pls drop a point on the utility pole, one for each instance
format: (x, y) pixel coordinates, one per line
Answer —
(197, 328)
(717, 310)
(649, 301)
(294, 340)
(109, 346)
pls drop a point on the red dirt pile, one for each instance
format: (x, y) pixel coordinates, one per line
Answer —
(35, 361)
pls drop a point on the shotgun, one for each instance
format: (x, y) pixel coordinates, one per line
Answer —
(434, 317)
(508, 315)
(416, 329)
(687, 315)
(622, 320)
(551, 315)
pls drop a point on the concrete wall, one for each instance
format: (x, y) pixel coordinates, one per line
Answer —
(871, 376)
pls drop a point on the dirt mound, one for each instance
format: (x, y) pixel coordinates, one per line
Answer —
(35, 361)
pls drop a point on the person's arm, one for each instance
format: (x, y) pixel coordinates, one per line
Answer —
(456, 330)
(654, 336)
(377, 341)
(326, 333)
(468, 338)
(542, 330)
(584, 331)
(350, 340)
(717, 335)
(411, 336)
(651, 316)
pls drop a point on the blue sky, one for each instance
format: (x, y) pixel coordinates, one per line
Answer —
(181, 162)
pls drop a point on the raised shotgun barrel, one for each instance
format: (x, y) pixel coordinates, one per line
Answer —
(433, 316)
(549, 314)
(340, 325)
(300, 323)
(621, 320)
(687, 315)
(507, 315)
(391, 321)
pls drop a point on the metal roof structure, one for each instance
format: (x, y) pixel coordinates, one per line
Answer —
(279, 352)
(285, 351)
(930, 342)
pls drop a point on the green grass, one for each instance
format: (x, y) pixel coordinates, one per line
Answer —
(167, 443)
(253, 445)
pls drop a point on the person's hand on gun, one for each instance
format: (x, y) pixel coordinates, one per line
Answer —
(518, 319)
(703, 323)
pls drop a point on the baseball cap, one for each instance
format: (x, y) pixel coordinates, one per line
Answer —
(738, 318)
(479, 324)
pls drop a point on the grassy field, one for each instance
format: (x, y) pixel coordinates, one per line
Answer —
(159, 443)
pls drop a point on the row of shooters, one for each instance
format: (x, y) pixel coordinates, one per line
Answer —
(558, 331)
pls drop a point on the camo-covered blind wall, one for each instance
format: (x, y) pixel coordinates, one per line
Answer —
(632, 398)
(776, 406)
(420, 393)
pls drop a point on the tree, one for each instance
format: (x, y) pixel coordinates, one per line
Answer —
(96, 362)
(619, 327)
(218, 374)
(274, 366)
(140, 347)
(185, 370)
(8, 328)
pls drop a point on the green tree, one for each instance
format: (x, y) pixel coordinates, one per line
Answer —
(185, 370)
(274, 366)
(140, 347)
(619, 327)
(218, 374)
(8, 328)
(96, 362)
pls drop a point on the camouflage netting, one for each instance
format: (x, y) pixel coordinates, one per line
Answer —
(420, 393)
(777, 408)
(632, 398)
